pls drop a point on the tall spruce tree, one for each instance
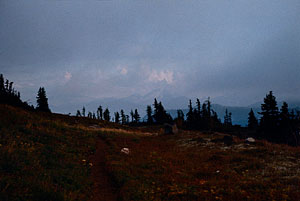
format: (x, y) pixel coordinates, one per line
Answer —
(270, 117)
(42, 101)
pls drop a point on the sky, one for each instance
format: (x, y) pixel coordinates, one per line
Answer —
(83, 50)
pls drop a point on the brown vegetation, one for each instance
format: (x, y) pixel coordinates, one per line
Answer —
(52, 157)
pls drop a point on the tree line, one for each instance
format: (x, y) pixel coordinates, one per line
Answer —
(275, 125)
(10, 96)
(280, 126)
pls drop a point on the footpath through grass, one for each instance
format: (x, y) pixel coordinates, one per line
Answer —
(43, 157)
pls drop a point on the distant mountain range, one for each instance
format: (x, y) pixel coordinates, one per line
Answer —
(170, 101)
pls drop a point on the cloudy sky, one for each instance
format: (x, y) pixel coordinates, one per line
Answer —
(84, 50)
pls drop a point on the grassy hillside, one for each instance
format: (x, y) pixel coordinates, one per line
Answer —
(199, 166)
(43, 156)
(47, 157)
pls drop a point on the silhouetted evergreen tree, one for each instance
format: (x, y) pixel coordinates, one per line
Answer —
(132, 115)
(78, 113)
(2, 88)
(8, 95)
(155, 105)
(42, 101)
(227, 119)
(100, 113)
(123, 117)
(269, 120)
(285, 124)
(83, 111)
(208, 107)
(90, 115)
(160, 115)
(136, 116)
(190, 116)
(252, 120)
(106, 115)
(117, 117)
(198, 115)
(149, 115)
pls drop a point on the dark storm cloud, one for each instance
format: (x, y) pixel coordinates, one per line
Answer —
(82, 50)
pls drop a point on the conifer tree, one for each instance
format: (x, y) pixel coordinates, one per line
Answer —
(190, 116)
(100, 113)
(132, 115)
(269, 119)
(208, 107)
(106, 115)
(2, 87)
(123, 117)
(117, 117)
(285, 123)
(83, 111)
(136, 116)
(227, 118)
(198, 106)
(78, 114)
(155, 105)
(149, 115)
(252, 120)
(42, 101)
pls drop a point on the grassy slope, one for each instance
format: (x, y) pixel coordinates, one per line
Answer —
(191, 166)
(45, 157)
(42, 156)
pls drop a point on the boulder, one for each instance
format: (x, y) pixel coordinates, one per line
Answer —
(250, 140)
(125, 150)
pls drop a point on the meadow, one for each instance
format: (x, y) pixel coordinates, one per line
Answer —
(47, 157)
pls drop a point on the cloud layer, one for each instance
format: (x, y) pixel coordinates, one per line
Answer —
(234, 52)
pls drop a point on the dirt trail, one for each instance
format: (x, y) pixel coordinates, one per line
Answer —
(103, 188)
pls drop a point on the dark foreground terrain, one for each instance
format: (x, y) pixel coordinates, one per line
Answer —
(57, 157)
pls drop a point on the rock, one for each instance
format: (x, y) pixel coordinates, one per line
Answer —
(170, 129)
(125, 150)
(250, 140)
